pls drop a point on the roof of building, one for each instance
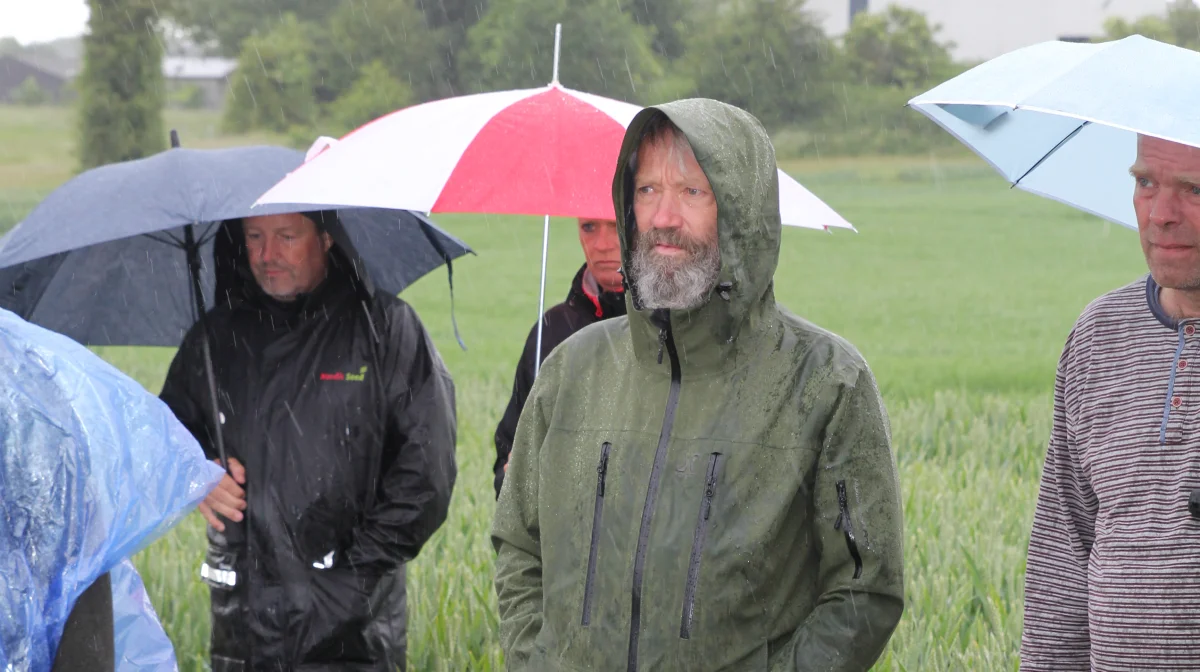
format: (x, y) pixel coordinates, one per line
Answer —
(187, 67)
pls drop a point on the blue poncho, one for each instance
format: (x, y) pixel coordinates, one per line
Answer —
(92, 469)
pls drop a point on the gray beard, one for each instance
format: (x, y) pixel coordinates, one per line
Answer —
(664, 282)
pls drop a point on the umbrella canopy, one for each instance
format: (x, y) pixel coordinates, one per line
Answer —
(545, 151)
(1061, 119)
(103, 258)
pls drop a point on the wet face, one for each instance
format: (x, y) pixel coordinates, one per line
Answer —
(677, 257)
(1166, 199)
(287, 254)
(602, 248)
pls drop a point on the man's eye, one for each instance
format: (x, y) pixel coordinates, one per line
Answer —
(1143, 182)
(1196, 189)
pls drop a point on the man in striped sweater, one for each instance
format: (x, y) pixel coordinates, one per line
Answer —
(1113, 575)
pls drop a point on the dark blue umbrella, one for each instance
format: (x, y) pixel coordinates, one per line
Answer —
(122, 254)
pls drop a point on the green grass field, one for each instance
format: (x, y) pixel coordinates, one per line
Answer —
(957, 290)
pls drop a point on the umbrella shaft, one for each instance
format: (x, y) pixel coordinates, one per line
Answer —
(537, 358)
(193, 261)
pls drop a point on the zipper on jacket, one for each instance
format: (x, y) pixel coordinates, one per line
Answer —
(844, 524)
(660, 457)
(693, 575)
(601, 472)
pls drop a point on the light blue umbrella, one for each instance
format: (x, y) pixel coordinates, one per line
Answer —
(1061, 119)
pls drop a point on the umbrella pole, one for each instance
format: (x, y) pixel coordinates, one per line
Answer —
(192, 250)
(193, 260)
(537, 361)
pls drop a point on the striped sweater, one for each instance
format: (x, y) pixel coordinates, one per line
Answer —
(1113, 575)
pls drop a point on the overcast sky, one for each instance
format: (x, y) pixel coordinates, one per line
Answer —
(42, 20)
(982, 28)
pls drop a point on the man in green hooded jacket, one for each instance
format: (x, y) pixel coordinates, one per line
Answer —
(707, 483)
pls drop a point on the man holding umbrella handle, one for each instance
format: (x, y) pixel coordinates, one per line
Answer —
(339, 420)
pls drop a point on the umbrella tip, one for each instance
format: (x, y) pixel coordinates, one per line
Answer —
(174, 138)
(557, 41)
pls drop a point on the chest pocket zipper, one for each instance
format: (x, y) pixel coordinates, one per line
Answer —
(589, 583)
(844, 524)
(693, 575)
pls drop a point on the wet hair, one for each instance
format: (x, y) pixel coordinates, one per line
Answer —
(658, 129)
(324, 219)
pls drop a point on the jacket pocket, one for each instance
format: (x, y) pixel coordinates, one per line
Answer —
(598, 513)
(846, 526)
(693, 575)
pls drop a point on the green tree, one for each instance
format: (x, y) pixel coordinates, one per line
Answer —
(767, 56)
(1153, 27)
(272, 87)
(29, 93)
(230, 22)
(670, 20)
(121, 87)
(1179, 26)
(604, 51)
(374, 94)
(394, 33)
(452, 19)
(897, 47)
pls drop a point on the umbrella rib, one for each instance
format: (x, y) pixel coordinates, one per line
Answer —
(1051, 152)
(171, 241)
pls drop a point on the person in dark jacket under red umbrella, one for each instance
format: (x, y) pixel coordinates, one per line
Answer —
(597, 293)
(338, 418)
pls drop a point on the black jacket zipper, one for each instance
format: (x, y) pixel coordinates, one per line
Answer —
(846, 525)
(662, 319)
(693, 575)
(589, 584)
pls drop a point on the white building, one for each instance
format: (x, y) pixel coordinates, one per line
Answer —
(210, 76)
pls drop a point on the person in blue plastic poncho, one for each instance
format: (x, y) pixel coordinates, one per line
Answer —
(92, 469)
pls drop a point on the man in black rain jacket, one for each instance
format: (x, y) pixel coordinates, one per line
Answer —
(338, 418)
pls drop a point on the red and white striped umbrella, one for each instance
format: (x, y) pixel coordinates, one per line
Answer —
(549, 151)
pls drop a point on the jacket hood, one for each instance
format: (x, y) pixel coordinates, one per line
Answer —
(235, 282)
(736, 155)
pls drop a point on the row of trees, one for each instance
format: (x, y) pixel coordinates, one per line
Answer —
(339, 64)
(309, 66)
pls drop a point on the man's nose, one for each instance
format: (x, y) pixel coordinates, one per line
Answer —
(607, 243)
(666, 213)
(266, 251)
(1164, 208)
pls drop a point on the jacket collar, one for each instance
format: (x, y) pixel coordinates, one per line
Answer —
(585, 292)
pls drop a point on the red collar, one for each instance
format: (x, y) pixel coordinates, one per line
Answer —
(591, 289)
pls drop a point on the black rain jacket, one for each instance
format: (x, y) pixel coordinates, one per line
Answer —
(343, 414)
(581, 308)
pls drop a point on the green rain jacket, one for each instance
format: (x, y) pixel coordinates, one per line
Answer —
(710, 489)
